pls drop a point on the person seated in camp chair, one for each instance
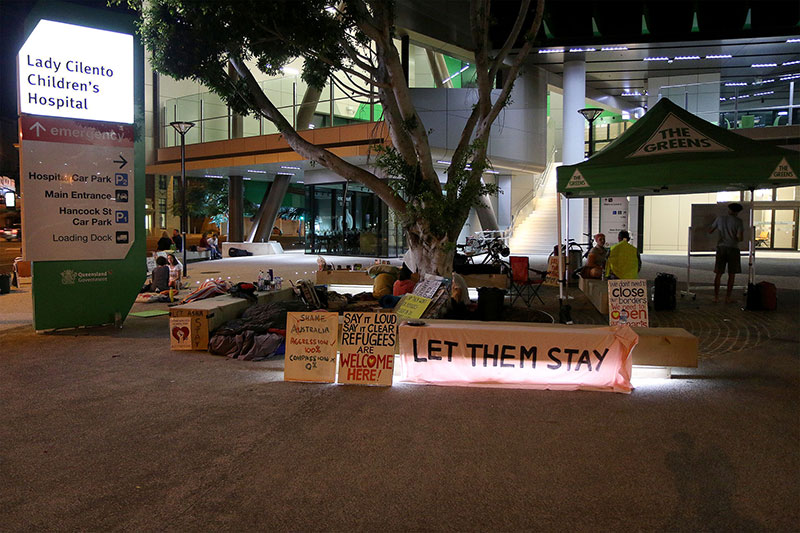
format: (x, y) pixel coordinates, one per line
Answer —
(623, 259)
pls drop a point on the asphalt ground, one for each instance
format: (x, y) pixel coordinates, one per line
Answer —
(106, 429)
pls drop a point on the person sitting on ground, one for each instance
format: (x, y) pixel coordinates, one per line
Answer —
(404, 283)
(596, 260)
(623, 259)
(177, 240)
(731, 233)
(175, 272)
(160, 276)
(164, 243)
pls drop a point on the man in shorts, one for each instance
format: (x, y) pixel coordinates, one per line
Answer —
(731, 231)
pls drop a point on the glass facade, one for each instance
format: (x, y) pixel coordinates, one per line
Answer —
(349, 219)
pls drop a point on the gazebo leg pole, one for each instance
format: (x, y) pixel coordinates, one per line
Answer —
(564, 309)
(558, 249)
(751, 274)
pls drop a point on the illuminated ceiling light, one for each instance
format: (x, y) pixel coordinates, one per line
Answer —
(552, 51)
(465, 67)
(783, 113)
(256, 171)
(442, 162)
(719, 56)
(655, 59)
(764, 65)
(736, 84)
(300, 181)
(793, 40)
(212, 176)
(762, 82)
(790, 63)
(583, 49)
(631, 93)
(284, 173)
(290, 168)
(765, 93)
(490, 172)
(684, 58)
(721, 99)
(790, 77)
(613, 48)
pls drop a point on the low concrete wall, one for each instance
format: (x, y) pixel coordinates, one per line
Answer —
(257, 248)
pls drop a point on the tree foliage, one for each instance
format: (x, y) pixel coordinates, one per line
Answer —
(350, 42)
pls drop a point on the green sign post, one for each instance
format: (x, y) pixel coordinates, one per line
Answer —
(81, 102)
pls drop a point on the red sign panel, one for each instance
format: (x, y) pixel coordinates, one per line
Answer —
(74, 131)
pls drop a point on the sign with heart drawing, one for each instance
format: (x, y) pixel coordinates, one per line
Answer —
(180, 331)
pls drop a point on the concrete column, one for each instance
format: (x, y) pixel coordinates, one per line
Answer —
(268, 211)
(235, 209)
(574, 128)
(504, 201)
(486, 213)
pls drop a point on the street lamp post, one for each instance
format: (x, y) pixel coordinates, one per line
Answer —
(182, 128)
(590, 114)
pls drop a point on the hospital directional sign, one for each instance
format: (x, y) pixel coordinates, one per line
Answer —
(80, 102)
(78, 189)
(76, 72)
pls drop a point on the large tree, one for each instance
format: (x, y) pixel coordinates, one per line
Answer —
(352, 42)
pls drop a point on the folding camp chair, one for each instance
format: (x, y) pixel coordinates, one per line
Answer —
(522, 285)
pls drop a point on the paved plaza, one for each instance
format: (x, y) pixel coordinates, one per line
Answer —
(107, 429)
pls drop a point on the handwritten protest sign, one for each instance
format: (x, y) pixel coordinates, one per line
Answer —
(368, 346)
(411, 306)
(427, 288)
(597, 358)
(180, 329)
(311, 346)
(627, 302)
(552, 272)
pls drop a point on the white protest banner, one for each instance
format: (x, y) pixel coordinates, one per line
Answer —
(627, 302)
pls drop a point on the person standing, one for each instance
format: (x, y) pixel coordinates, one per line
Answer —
(623, 259)
(177, 240)
(731, 233)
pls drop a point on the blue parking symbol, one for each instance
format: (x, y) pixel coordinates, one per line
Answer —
(121, 217)
(121, 180)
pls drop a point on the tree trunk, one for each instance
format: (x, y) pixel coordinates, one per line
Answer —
(432, 254)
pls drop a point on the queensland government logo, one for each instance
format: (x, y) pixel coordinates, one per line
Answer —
(70, 277)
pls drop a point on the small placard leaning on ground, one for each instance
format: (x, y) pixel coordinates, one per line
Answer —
(627, 302)
(311, 346)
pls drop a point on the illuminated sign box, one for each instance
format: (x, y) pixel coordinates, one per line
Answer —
(76, 72)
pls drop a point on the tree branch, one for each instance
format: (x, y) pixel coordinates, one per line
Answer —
(310, 151)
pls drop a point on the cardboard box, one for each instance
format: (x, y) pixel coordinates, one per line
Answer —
(190, 324)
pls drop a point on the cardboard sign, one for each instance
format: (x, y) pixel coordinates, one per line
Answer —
(627, 302)
(569, 358)
(551, 280)
(367, 348)
(311, 346)
(180, 333)
(427, 288)
(411, 306)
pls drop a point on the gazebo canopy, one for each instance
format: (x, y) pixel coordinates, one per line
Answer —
(672, 151)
